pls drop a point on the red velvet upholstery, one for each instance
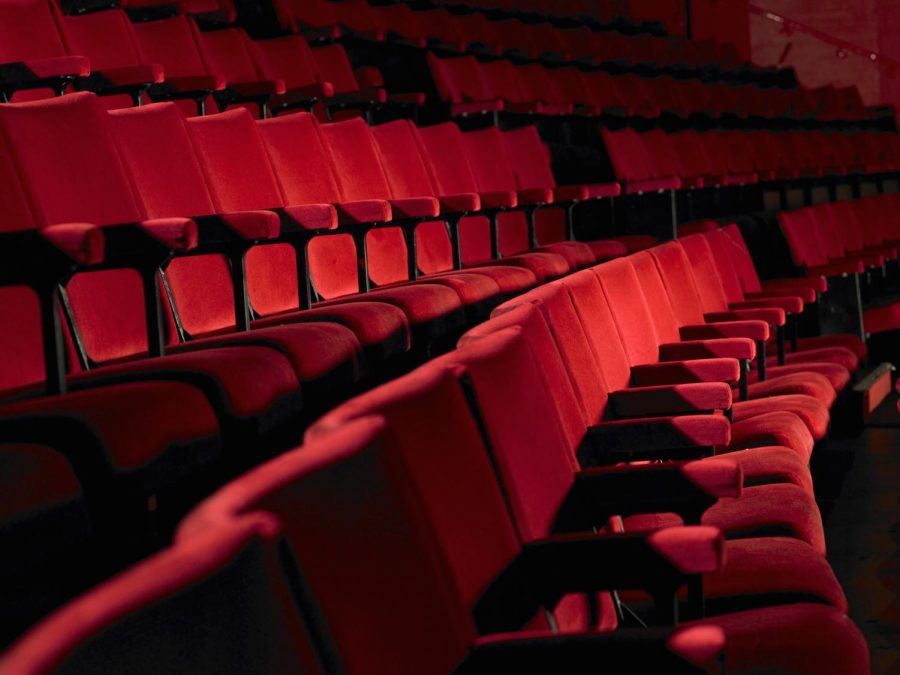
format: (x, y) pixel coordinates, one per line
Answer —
(218, 601)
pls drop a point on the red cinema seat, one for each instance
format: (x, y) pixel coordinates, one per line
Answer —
(34, 62)
(630, 302)
(391, 250)
(117, 325)
(530, 160)
(220, 601)
(172, 43)
(118, 70)
(208, 295)
(731, 257)
(444, 148)
(687, 305)
(590, 342)
(711, 290)
(480, 580)
(408, 177)
(378, 547)
(252, 181)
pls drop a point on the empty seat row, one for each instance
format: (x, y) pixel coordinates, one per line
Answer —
(469, 86)
(489, 35)
(653, 160)
(488, 503)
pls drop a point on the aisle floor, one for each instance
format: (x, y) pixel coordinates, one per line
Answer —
(863, 534)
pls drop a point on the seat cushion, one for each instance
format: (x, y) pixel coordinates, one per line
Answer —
(807, 384)
(420, 302)
(851, 342)
(779, 509)
(607, 249)
(838, 376)
(882, 319)
(178, 429)
(373, 323)
(472, 289)
(766, 464)
(510, 279)
(545, 266)
(814, 414)
(317, 351)
(766, 565)
(224, 375)
(839, 356)
(773, 428)
(576, 253)
(822, 641)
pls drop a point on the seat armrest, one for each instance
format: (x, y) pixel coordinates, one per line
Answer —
(678, 651)
(695, 397)
(415, 207)
(534, 196)
(364, 211)
(465, 202)
(672, 437)
(753, 330)
(687, 489)
(787, 303)
(244, 226)
(660, 563)
(735, 348)
(771, 315)
(498, 200)
(692, 370)
(61, 248)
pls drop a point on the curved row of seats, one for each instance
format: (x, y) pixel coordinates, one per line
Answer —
(497, 502)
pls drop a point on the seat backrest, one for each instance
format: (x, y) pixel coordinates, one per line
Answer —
(534, 460)
(529, 157)
(721, 246)
(706, 274)
(494, 173)
(802, 238)
(286, 58)
(173, 43)
(741, 259)
(433, 432)
(675, 271)
(69, 170)
(307, 178)
(20, 340)
(502, 80)
(443, 148)
(459, 79)
(408, 176)
(157, 150)
(656, 297)
(333, 65)
(227, 53)
(629, 161)
(628, 305)
(106, 38)
(361, 545)
(28, 31)
(361, 176)
(219, 601)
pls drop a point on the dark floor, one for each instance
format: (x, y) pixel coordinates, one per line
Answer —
(863, 535)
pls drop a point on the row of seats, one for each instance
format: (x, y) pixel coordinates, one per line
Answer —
(171, 59)
(652, 160)
(487, 35)
(205, 227)
(848, 238)
(499, 503)
(469, 86)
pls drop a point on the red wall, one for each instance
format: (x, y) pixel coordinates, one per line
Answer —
(870, 24)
